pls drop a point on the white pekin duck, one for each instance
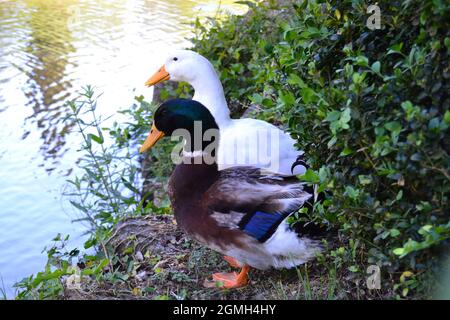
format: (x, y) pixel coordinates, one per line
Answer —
(248, 142)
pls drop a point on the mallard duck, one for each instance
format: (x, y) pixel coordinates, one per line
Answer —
(244, 141)
(240, 212)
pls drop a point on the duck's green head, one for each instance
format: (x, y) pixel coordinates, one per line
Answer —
(174, 115)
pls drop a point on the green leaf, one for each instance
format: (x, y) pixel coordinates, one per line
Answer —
(310, 176)
(101, 265)
(362, 61)
(250, 4)
(351, 192)
(332, 116)
(308, 95)
(129, 186)
(287, 98)
(365, 179)
(332, 142)
(393, 126)
(396, 48)
(353, 269)
(399, 251)
(447, 117)
(376, 67)
(294, 79)
(90, 243)
(78, 206)
(394, 233)
(345, 117)
(434, 124)
(256, 98)
(447, 44)
(346, 152)
(97, 139)
(337, 14)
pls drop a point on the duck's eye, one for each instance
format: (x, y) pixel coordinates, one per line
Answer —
(175, 59)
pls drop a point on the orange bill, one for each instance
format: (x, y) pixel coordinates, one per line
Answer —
(152, 138)
(160, 76)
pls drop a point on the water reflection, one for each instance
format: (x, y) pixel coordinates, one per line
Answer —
(47, 87)
(49, 46)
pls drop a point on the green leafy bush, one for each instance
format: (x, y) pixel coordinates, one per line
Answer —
(369, 107)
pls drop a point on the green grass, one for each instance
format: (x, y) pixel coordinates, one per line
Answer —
(2, 289)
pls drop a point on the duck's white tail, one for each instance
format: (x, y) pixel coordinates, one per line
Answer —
(288, 249)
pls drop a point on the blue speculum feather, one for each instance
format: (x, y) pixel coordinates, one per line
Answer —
(262, 225)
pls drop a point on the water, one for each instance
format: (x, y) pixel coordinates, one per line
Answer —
(48, 50)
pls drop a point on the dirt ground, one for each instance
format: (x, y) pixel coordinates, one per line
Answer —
(157, 261)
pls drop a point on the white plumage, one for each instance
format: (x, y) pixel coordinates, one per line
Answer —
(248, 142)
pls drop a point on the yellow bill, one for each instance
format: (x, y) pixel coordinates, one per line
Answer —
(152, 138)
(160, 76)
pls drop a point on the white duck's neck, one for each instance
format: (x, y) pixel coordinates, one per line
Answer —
(209, 92)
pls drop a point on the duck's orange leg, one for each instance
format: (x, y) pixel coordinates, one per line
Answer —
(233, 279)
(232, 262)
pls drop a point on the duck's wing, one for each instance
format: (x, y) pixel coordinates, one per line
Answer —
(253, 201)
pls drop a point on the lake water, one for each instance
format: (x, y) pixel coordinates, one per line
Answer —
(49, 49)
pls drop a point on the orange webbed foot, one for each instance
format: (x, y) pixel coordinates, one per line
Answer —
(230, 280)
